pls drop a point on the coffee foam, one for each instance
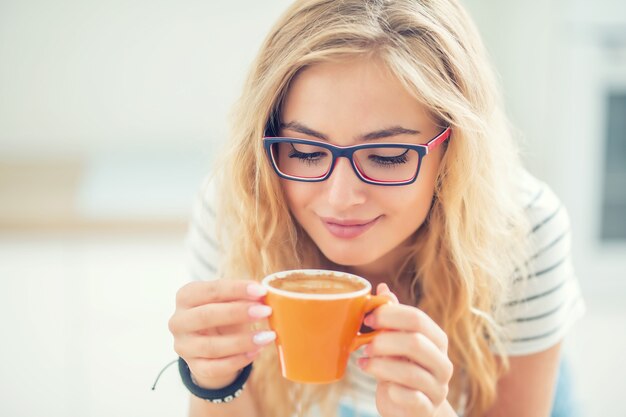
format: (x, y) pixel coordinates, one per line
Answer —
(317, 284)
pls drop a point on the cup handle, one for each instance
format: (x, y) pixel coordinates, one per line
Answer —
(372, 303)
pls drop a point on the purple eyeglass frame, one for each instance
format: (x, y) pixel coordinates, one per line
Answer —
(348, 152)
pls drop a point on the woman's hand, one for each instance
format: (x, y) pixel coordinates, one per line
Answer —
(408, 359)
(212, 328)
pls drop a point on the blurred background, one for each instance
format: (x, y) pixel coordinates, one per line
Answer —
(112, 112)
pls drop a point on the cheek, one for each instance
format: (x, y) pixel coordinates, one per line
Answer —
(409, 207)
(430, 168)
(425, 184)
(298, 195)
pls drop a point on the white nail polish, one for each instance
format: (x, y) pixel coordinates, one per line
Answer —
(256, 290)
(263, 338)
(259, 311)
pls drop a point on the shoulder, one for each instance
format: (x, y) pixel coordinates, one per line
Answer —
(544, 209)
(545, 300)
(203, 249)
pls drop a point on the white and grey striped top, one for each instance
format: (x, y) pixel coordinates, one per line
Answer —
(541, 309)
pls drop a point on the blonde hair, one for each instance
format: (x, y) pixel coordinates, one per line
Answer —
(475, 234)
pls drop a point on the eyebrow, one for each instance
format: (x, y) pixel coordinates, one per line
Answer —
(377, 134)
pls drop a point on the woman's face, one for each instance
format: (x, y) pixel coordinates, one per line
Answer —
(355, 224)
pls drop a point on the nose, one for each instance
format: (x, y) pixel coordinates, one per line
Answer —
(344, 188)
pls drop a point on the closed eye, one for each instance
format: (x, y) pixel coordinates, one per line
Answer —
(390, 160)
(307, 157)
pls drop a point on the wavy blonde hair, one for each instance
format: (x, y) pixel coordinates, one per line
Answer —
(475, 235)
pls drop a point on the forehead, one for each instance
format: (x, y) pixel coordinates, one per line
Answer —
(358, 93)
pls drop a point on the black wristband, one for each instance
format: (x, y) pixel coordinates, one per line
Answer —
(217, 396)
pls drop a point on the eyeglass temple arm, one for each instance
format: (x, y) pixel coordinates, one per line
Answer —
(439, 139)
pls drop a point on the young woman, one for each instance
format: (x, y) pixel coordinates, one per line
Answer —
(370, 138)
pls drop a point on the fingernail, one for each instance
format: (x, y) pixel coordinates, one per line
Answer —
(259, 311)
(264, 337)
(256, 290)
(369, 321)
(366, 350)
(362, 362)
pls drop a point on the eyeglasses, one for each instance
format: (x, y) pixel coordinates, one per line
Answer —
(374, 163)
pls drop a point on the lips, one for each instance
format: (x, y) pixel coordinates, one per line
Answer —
(348, 228)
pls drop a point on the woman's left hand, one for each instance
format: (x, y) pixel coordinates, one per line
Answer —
(408, 359)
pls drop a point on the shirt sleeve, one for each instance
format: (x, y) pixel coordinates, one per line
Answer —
(543, 305)
(203, 251)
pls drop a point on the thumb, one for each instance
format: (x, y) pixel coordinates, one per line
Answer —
(383, 290)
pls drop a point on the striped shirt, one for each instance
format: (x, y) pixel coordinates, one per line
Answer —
(539, 312)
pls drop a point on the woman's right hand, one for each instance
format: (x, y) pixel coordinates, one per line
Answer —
(212, 328)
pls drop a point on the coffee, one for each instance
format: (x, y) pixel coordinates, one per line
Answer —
(317, 284)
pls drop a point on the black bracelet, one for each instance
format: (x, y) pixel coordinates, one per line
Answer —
(216, 396)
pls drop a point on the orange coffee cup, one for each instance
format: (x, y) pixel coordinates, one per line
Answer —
(317, 315)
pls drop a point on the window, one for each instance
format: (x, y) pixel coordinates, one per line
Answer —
(614, 193)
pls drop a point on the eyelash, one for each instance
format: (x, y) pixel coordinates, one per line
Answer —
(386, 161)
(308, 158)
(390, 161)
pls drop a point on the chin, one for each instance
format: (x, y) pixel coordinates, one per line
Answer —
(352, 257)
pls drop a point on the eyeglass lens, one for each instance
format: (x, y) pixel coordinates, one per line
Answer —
(385, 164)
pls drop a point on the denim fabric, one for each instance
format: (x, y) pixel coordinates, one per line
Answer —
(347, 411)
(565, 403)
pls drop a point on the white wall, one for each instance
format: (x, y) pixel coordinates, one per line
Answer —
(554, 66)
(93, 78)
(85, 318)
(83, 76)
(520, 40)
